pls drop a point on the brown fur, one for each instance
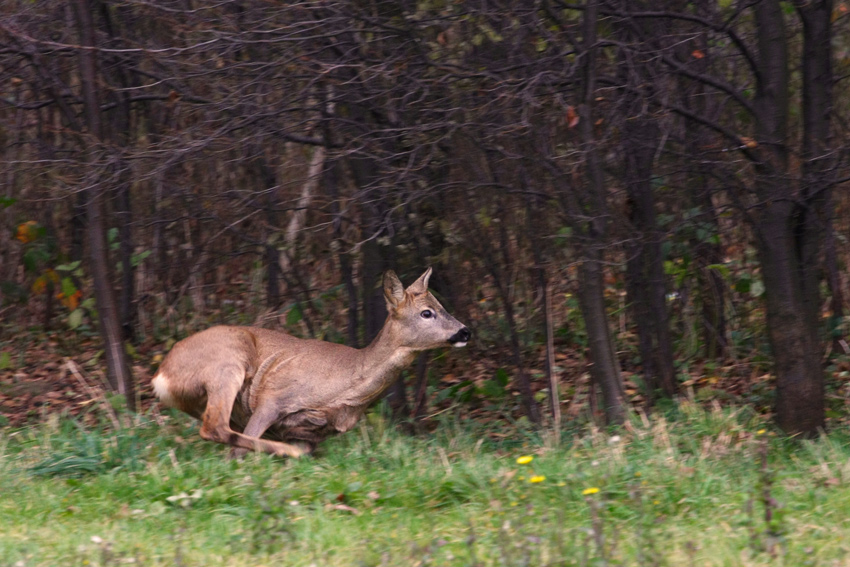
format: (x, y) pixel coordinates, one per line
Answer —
(263, 390)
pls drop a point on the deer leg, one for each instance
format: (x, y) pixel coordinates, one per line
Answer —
(215, 426)
(260, 420)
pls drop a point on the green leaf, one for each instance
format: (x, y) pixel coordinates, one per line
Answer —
(7, 202)
(492, 389)
(70, 267)
(68, 287)
(140, 257)
(13, 291)
(112, 238)
(502, 378)
(5, 360)
(116, 400)
(722, 268)
(295, 315)
(34, 257)
(75, 319)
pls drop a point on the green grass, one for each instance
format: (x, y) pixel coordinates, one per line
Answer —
(687, 490)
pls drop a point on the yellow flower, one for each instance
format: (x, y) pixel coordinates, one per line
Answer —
(537, 478)
(637, 473)
(524, 460)
(589, 491)
(761, 432)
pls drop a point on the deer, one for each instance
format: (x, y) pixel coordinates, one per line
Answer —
(258, 389)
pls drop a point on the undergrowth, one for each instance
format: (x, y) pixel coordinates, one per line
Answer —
(698, 487)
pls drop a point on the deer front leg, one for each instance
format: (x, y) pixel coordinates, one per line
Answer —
(221, 394)
(260, 420)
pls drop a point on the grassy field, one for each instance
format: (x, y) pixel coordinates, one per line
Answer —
(695, 488)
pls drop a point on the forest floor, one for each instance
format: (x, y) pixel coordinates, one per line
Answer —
(62, 372)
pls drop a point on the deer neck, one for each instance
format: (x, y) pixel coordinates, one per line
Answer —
(381, 362)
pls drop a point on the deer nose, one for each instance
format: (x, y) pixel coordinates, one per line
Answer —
(461, 337)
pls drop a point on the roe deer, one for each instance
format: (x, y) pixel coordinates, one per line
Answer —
(262, 390)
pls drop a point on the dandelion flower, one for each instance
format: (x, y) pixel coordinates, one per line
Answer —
(537, 478)
(589, 491)
(524, 460)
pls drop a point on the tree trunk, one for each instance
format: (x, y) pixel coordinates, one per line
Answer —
(791, 327)
(645, 264)
(344, 257)
(120, 136)
(533, 212)
(124, 216)
(119, 375)
(818, 166)
(268, 182)
(711, 288)
(606, 369)
(78, 226)
(377, 257)
(799, 377)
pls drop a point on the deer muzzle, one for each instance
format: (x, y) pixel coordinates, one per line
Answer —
(460, 338)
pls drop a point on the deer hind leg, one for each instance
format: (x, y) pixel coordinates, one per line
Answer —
(221, 394)
(261, 419)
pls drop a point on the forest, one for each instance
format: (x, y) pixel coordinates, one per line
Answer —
(628, 201)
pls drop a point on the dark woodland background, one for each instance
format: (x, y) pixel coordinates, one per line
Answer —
(626, 200)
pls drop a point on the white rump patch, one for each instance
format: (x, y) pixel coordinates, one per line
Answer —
(160, 388)
(458, 345)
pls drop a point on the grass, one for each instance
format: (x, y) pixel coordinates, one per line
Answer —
(691, 489)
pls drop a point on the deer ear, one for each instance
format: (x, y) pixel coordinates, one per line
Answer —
(420, 286)
(393, 290)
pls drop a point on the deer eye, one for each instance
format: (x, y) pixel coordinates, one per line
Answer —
(427, 314)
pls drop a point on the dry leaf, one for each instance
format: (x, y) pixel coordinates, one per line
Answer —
(749, 142)
(572, 117)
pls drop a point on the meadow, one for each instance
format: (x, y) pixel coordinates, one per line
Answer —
(696, 486)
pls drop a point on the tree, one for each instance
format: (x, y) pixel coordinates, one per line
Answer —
(119, 374)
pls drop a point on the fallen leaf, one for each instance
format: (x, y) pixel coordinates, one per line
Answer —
(572, 117)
